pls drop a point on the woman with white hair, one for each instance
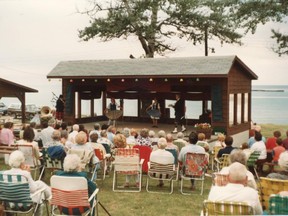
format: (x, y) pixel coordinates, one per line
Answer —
(72, 168)
(283, 163)
(18, 167)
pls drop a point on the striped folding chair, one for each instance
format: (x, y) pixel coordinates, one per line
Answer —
(164, 172)
(103, 159)
(251, 162)
(226, 208)
(270, 186)
(49, 163)
(127, 162)
(278, 205)
(15, 195)
(70, 196)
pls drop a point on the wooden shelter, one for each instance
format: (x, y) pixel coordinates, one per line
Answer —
(223, 83)
(11, 89)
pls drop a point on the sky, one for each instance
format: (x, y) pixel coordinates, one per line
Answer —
(35, 35)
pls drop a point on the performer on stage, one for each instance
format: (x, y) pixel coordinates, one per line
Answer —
(112, 106)
(60, 108)
(154, 111)
(180, 110)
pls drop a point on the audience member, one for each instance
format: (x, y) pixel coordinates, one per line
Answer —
(259, 145)
(153, 139)
(202, 141)
(285, 141)
(161, 156)
(111, 131)
(220, 140)
(73, 133)
(239, 156)
(104, 140)
(18, 167)
(169, 144)
(6, 134)
(95, 145)
(228, 148)
(81, 143)
(283, 163)
(97, 129)
(271, 144)
(36, 133)
(72, 168)
(64, 140)
(46, 133)
(191, 147)
(64, 126)
(120, 141)
(180, 139)
(246, 150)
(28, 139)
(143, 138)
(251, 141)
(277, 150)
(129, 138)
(236, 190)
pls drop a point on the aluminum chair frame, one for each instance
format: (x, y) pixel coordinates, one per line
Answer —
(164, 172)
(221, 162)
(127, 161)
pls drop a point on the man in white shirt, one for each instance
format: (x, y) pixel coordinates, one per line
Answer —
(46, 133)
(161, 156)
(72, 135)
(236, 190)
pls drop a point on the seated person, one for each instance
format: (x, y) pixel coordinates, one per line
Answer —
(220, 140)
(228, 149)
(72, 168)
(202, 141)
(18, 167)
(236, 189)
(283, 163)
(239, 156)
(277, 150)
(246, 150)
(161, 156)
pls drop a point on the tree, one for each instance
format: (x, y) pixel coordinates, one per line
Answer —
(251, 13)
(154, 22)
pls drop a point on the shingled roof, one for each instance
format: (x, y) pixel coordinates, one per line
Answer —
(156, 67)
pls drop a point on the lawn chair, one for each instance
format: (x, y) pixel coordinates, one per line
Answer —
(221, 162)
(270, 186)
(103, 159)
(144, 152)
(194, 168)
(278, 205)
(49, 163)
(15, 195)
(127, 162)
(226, 208)
(214, 157)
(70, 196)
(251, 162)
(164, 172)
(31, 159)
(86, 157)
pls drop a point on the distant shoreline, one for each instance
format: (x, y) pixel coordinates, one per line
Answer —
(268, 90)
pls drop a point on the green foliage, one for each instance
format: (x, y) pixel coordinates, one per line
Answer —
(154, 22)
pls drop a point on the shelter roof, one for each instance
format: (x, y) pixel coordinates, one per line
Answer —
(15, 86)
(208, 66)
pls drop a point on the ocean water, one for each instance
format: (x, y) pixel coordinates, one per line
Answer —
(270, 105)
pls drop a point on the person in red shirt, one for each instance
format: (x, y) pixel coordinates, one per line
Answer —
(271, 143)
(277, 150)
(285, 141)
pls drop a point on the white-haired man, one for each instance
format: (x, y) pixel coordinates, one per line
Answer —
(161, 156)
(236, 189)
